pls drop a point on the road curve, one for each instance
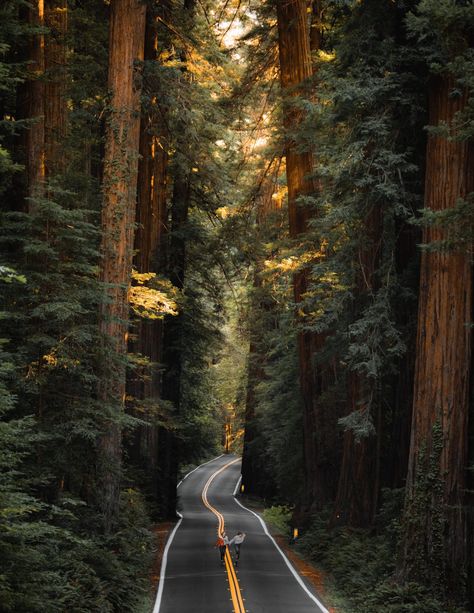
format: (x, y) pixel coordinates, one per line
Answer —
(194, 580)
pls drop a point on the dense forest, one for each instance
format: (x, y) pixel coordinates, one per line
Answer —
(237, 225)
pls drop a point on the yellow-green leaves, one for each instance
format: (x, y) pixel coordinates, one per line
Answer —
(151, 297)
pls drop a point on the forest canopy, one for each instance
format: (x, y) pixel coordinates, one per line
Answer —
(236, 226)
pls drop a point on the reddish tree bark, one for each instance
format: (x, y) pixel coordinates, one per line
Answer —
(149, 246)
(434, 544)
(32, 105)
(295, 69)
(55, 107)
(253, 469)
(173, 341)
(319, 421)
(315, 33)
(42, 98)
(173, 338)
(126, 47)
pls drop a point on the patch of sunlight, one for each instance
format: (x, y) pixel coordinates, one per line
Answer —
(50, 359)
(294, 263)
(223, 212)
(152, 302)
(325, 56)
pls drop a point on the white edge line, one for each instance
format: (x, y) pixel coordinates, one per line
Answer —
(164, 561)
(163, 566)
(287, 562)
(237, 486)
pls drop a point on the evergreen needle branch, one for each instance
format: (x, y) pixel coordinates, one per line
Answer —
(250, 202)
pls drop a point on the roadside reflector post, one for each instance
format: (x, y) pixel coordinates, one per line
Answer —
(242, 488)
(292, 540)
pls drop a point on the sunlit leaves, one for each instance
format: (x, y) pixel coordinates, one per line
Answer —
(151, 297)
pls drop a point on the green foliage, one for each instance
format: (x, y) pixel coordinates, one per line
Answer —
(51, 566)
(456, 225)
(54, 555)
(183, 95)
(368, 172)
(201, 400)
(441, 27)
(57, 558)
(279, 517)
(8, 275)
(425, 503)
(408, 598)
(153, 301)
(278, 411)
(364, 116)
(11, 70)
(361, 564)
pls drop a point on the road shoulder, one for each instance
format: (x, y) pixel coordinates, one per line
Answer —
(161, 532)
(315, 576)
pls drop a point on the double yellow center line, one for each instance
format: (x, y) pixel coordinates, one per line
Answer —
(235, 592)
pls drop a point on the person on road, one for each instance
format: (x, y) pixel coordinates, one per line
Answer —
(237, 542)
(222, 542)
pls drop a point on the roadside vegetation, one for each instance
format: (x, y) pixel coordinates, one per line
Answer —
(236, 225)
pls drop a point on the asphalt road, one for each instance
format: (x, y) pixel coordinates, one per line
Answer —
(195, 581)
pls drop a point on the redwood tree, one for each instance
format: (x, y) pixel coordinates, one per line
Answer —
(434, 544)
(295, 70)
(173, 341)
(55, 107)
(42, 98)
(254, 475)
(126, 48)
(150, 242)
(31, 101)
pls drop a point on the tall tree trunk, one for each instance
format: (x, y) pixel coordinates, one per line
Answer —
(172, 337)
(31, 103)
(127, 34)
(55, 108)
(319, 423)
(396, 451)
(149, 247)
(470, 499)
(254, 476)
(295, 69)
(42, 98)
(315, 33)
(434, 543)
(39, 102)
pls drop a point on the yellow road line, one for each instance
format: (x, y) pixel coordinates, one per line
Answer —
(235, 592)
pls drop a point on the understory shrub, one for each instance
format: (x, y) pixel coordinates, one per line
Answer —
(279, 517)
(361, 564)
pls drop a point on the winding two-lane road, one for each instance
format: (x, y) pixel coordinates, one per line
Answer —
(195, 582)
